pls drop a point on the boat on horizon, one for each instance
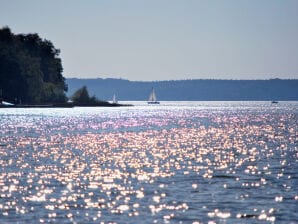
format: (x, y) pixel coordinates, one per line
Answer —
(274, 102)
(152, 98)
(115, 101)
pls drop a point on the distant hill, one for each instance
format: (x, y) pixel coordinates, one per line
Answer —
(184, 90)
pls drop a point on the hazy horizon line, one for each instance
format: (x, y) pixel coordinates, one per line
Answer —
(187, 79)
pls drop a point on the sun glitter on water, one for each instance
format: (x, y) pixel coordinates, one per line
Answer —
(147, 165)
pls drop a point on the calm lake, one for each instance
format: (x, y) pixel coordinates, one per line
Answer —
(177, 162)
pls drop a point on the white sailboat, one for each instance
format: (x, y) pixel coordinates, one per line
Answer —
(114, 99)
(152, 98)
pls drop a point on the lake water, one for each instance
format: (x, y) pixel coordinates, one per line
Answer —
(178, 162)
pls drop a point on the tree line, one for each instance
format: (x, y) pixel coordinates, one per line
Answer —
(184, 90)
(30, 69)
(31, 73)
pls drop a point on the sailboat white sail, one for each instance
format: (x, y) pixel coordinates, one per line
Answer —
(114, 99)
(152, 98)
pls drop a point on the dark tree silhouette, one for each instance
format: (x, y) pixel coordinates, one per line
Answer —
(30, 69)
(82, 98)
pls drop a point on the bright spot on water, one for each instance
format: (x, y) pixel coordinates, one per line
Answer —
(145, 165)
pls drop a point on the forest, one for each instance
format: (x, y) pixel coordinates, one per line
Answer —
(30, 69)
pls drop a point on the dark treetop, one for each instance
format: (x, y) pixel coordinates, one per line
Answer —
(30, 69)
(82, 98)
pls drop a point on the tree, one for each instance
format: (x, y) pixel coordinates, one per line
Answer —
(30, 69)
(81, 96)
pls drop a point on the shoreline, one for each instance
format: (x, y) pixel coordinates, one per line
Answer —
(63, 105)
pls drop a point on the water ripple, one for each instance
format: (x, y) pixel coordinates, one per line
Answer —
(188, 164)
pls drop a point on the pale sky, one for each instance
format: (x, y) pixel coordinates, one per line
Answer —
(164, 39)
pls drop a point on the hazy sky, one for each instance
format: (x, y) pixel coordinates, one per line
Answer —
(164, 39)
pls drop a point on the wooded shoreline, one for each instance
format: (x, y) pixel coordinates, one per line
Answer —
(66, 105)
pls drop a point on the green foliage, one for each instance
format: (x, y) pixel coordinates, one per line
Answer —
(30, 69)
(81, 97)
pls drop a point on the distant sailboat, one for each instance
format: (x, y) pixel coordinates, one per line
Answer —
(114, 99)
(152, 98)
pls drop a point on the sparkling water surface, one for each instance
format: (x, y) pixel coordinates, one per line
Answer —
(177, 162)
